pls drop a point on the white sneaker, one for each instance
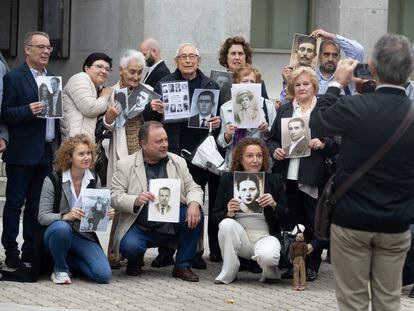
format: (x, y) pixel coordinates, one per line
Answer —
(61, 278)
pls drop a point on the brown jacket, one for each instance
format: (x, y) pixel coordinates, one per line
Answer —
(298, 249)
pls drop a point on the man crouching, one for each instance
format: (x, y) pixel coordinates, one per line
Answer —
(130, 197)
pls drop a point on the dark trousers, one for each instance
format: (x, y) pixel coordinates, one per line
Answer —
(302, 207)
(24, 185)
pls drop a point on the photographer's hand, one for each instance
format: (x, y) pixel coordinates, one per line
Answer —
(345, 71)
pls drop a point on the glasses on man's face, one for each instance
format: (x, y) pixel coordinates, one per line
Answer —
(185, 56)
(41, 47)
(102, 67)
(327, 55)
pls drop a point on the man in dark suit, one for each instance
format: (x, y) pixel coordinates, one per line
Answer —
(56, 97)
(157, 67)
(29, 154)
(205, 103)
(300, 144)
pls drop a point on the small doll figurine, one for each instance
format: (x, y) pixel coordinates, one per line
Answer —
(297, 251)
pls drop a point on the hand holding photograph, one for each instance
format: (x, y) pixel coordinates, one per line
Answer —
(305, 50)
(248, 187)
(247, 107)
(203, 107)
(50, 95)
(166, 206)
(296, 136)
(138, 99)
(96, 204)
(176, 95)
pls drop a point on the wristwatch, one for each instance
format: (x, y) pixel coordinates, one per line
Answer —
(335, 84)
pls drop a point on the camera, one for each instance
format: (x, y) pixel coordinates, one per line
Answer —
(362, 71)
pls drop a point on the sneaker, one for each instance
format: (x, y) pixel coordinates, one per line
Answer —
(14, 262)
(61, 278)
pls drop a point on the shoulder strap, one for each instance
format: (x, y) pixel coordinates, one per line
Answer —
(93, 182)
(368, 164)
(56, 179)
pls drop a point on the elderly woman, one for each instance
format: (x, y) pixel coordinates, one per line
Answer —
(85, 97)
(254, 234)
(230, 135)
(235, 52)
(62, 211)
(304, 177)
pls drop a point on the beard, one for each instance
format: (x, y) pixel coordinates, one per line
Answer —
(150, 61)
(328, 69)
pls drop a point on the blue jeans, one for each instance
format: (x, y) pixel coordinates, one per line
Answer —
(135, 242)
(69, 248)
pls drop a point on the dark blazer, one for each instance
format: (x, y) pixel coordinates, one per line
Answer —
(58, 107)
(382, 200)
(312, 168)
(273, 185)
(299, 150)
(27, 133)
(195, 120)
(160, 71)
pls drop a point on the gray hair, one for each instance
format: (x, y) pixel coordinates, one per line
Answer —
(28, 37)
(177, 53)
(130, 55)
(393, 59)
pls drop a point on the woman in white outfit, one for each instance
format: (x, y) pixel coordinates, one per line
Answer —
(249, 235)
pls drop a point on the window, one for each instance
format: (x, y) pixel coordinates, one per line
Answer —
(273, 25)
(9, 14)
(400, 18)
(55, 21)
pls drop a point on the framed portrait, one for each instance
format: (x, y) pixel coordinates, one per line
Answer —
(305, 51)
(223, 78)
(121, 99)
(176, 94)
(50, 95)
(96, 204)
(247, 105)
(203, 107)
(247, 188)
(9, 22)
(55, 21)
(166, 206)
(138, 99)
(296, 136)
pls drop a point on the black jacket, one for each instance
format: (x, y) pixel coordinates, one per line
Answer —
(160, 71)
(312, 168)
(383, 199)
(273, 185)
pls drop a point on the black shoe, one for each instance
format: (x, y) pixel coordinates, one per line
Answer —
(288, 275)
(244, 264)
(311, 275)
(133, 269)
(215, 258)
(411, 294)
(27, 257)
(14, 262)
(199, 263)
(254, 267)
(162, 261)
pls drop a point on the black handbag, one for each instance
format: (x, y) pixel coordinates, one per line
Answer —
(330, 196)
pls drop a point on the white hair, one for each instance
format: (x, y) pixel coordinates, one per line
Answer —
(177, 53)
(129, 55)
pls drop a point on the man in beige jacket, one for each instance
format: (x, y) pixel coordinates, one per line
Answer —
(130, 197)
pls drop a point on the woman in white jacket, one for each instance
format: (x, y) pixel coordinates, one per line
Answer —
(85, 98)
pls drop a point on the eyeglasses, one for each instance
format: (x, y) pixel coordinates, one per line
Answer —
(185, 56)
(327, 54)
(42, 47)
(102, 67)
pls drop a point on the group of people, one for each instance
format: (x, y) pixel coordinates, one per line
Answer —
(370, 233)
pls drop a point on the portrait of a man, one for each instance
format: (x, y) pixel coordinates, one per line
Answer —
(204, 104)
(142, 99)
(56, 97)
(304, 51)
(298, 132)
(246, 108)
(166, 206)
(164, 194)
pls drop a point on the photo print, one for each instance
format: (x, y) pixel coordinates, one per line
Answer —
(138, 99)
(166, 206)
(50, 95)
(248, 187)
(296, 136)
(96, 204)
(175, 95)
(247, 105)
(223, 78)
(121, 99)
(305, 50)
(203, 107)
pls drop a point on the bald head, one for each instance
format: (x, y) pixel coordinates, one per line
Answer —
(151, 50)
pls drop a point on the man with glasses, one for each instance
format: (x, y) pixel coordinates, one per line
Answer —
(29, 154)
(180, 136)
(329, 55)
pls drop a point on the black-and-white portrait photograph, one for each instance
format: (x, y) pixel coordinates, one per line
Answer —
(121, 99)
(247, 107)
(296, 136)
(223, 78)
(177, 98)
(50, 95)
(305, 50)
(95, 203)
(166, 206)
(138, 99)
(248, 187)
(203, 107)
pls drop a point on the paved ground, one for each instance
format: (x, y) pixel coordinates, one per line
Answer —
(157, 290)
